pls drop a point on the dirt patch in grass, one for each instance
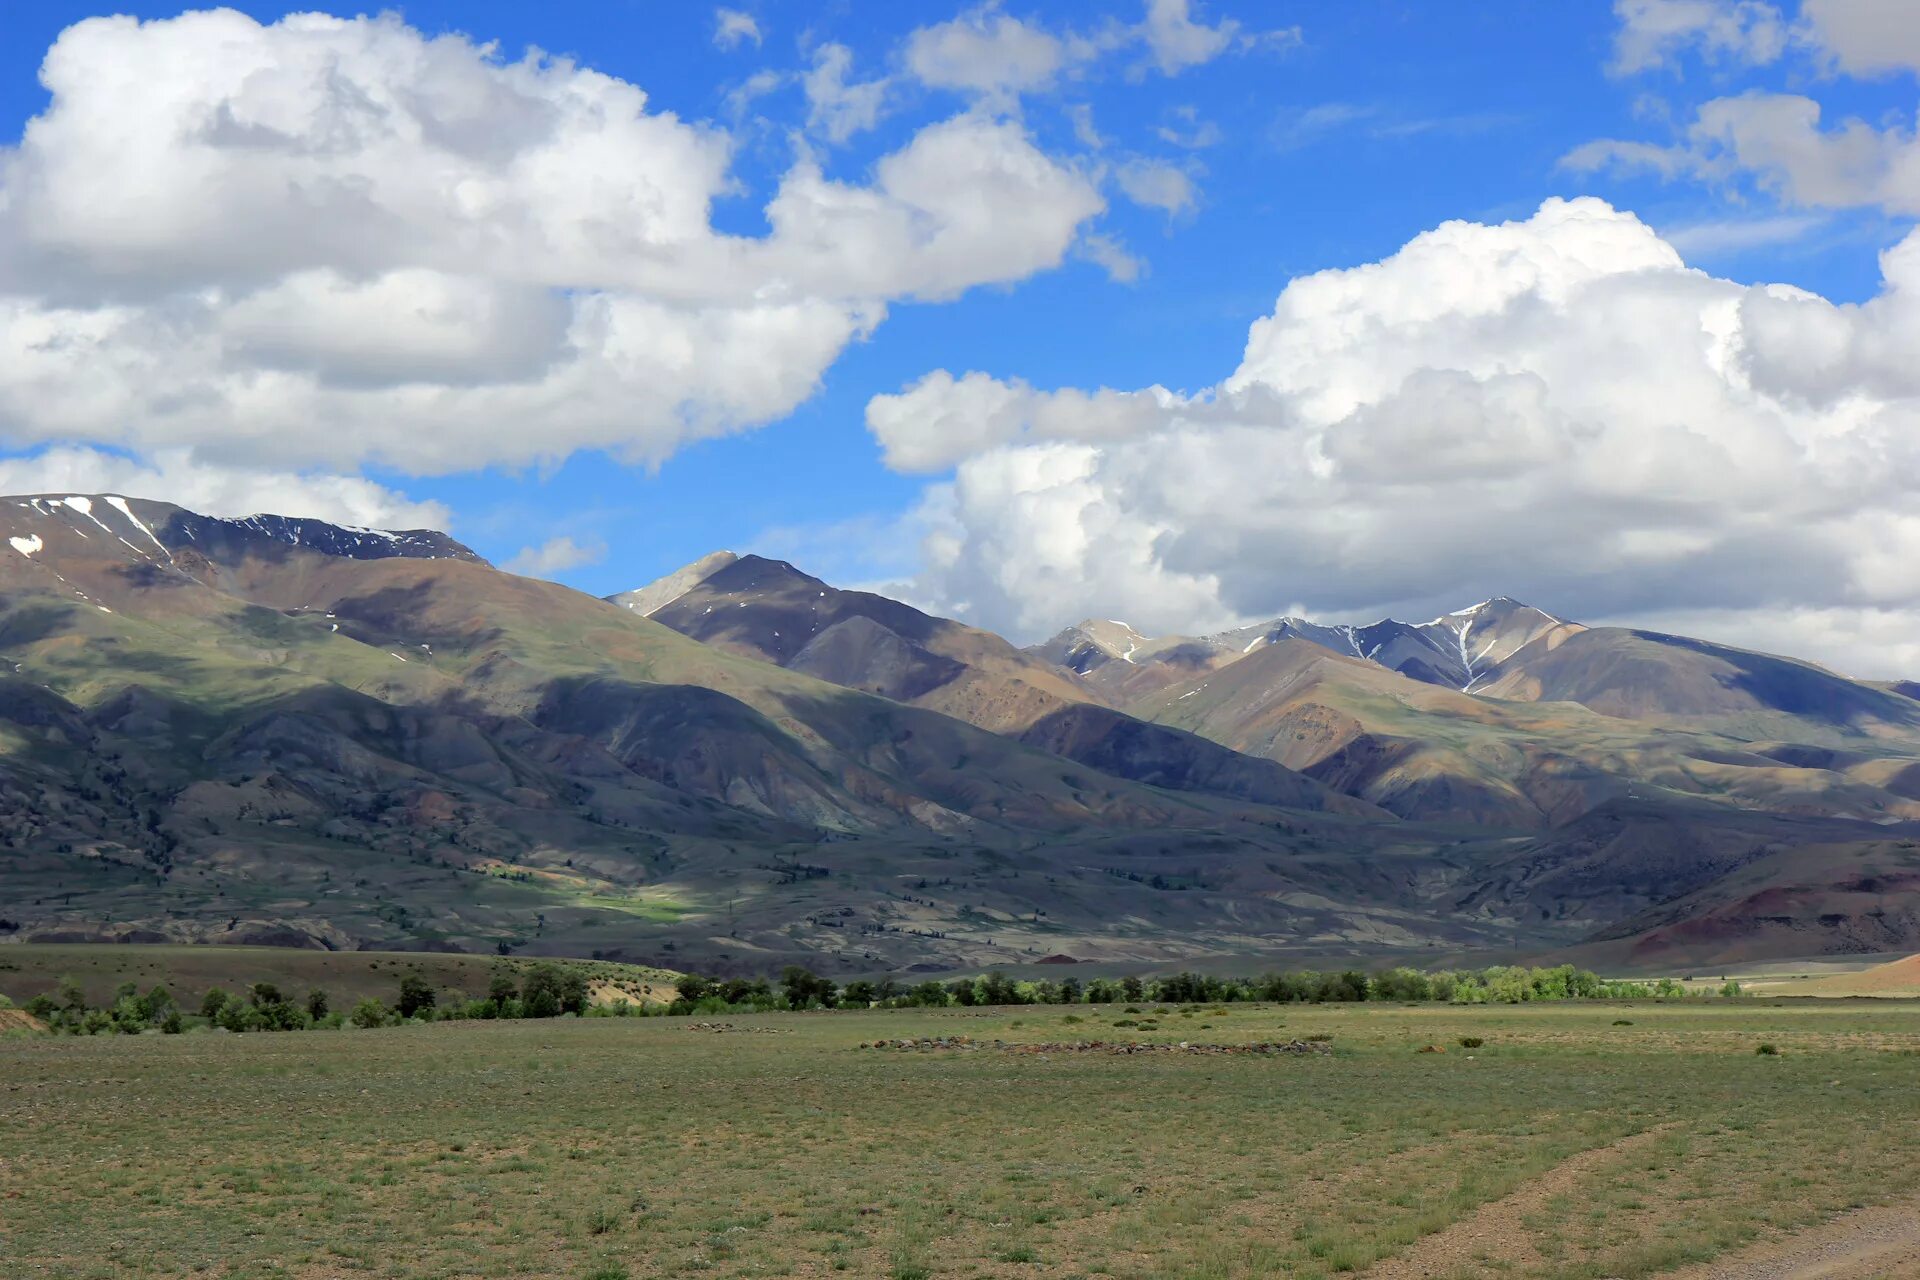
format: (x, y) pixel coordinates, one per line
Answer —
(1863, 1244)
(1497, 1235)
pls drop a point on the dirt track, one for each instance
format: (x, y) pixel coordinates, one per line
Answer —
(1866, 1244)
(1497, 1230)
(1879, 1243)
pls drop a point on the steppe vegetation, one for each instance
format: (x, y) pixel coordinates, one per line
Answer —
(1577, 1138)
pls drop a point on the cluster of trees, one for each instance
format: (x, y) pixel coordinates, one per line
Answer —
(549, 990)
(546, 991)
(1507, 984)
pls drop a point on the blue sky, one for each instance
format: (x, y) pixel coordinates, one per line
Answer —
(1316, 136)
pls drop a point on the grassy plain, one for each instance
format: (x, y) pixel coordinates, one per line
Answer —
(1577, 1141)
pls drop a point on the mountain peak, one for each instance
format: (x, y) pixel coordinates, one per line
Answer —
(661, 592)
(140, 529)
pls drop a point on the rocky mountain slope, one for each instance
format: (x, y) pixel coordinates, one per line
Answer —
(1458, 650)
(770, 611)
(273, 730)
(267, 730)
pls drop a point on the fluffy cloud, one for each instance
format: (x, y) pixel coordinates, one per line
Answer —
(1556, 408)
(994, 57)
(1779, 139)
(1652, 32)
(329, 243)
(1785, 143)
(989, 54)
(1863, 37)
(555, 555)
(837, 105)
(732, 28)
(173, 475)
(1178, 42)
(1155, 184)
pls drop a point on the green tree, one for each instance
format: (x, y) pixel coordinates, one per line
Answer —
(693, 988)
(540, 993)
(998, 988)
(369, 1013)
(214, 1001)
(316, 1004)
(858, 994)
(501, 988)
(416, 996)
(72, 999)
(802, 988)
(157, 1003)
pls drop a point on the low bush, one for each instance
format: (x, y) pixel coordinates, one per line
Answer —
(1471, 1042)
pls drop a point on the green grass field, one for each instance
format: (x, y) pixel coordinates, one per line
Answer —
(627, 1147)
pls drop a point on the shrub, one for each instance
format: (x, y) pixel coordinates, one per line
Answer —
(317, 1004)
(1623, 1022)
(369, 1013)
(601, 1221)
(1471, 1042)
(1768, 1051)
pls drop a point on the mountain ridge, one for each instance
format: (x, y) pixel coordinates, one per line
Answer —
(286, 731)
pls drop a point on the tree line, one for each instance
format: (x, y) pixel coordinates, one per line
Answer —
(799, 988)
(550, 990)
(547, 990)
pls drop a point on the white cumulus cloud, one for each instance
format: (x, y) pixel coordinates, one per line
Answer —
(324, 243)
(988, 53)
(1155, 184)
(1557, 408)
(555, 555)
(1652, 32)
(173, 475)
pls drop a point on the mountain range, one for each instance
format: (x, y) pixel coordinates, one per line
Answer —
(286, 731)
